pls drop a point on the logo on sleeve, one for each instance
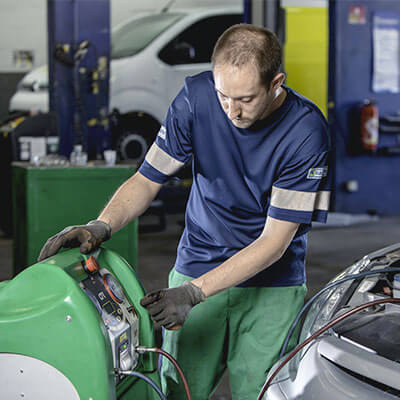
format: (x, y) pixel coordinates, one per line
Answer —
(162, 132)
(317, 173)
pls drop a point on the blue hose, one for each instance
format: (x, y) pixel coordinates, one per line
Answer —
(331, 285)
(150, 382)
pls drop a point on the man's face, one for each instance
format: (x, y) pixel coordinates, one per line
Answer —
(242, 95)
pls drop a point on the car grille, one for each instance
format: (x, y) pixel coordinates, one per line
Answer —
(34, 87)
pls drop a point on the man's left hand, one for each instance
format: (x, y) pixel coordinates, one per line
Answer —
(170, 307)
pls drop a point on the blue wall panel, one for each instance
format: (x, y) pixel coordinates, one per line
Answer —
(351, 68)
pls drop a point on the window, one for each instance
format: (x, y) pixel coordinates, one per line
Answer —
(196, 43)
(134, 36)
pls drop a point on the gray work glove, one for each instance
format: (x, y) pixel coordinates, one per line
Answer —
(170, 307)
(87, 237)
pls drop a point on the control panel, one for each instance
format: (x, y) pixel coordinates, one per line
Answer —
(118, 315)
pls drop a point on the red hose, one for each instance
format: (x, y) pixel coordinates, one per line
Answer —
(174, 362)
(319, 332)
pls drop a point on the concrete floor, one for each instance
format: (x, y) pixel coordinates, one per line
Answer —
(330, 250)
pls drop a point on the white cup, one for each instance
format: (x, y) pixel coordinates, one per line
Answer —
(110, 156)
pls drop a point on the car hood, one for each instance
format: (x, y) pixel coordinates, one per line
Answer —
(358, 357)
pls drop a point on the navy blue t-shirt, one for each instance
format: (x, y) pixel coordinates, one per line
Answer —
(278, 167)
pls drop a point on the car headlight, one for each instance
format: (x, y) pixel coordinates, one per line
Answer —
(323, 308)
(355, 268)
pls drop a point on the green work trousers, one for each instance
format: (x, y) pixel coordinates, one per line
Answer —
(241, 329)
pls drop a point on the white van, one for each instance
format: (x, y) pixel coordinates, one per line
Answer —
(151, 56)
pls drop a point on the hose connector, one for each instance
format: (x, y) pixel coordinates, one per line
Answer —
(123, 372)
(142, 349)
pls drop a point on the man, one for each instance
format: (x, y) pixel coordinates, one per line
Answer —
(260, 155)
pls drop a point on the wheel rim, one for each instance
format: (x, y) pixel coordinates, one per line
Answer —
(133, 147)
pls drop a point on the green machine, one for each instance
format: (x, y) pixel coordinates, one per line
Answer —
(69, 330)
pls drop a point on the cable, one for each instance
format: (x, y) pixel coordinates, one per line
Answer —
(147, 380)
(141, 350)
(319, 332)
(331, 285)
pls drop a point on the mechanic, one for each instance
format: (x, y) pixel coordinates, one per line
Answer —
(260, 154)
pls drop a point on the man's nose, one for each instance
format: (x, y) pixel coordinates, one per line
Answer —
(233, 109)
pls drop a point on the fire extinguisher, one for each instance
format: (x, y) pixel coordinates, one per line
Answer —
(369, 125)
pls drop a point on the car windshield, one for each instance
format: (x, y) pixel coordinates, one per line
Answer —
(134, 36)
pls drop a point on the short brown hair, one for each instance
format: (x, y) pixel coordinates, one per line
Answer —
(243, 43)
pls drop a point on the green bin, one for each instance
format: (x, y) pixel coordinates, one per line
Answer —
(47, 199)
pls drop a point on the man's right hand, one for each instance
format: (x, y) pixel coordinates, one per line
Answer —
(87, 237)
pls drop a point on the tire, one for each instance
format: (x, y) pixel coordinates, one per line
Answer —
(134, 137)
(132, 146)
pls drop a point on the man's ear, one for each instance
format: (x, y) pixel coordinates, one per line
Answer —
(277, 81)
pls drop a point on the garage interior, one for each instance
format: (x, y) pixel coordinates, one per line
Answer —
(57, 155)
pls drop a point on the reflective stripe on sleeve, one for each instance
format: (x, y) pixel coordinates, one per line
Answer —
(299, 201)
(322, 200)
(162, 161)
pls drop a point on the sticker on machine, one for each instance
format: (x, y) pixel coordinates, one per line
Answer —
(317, 173)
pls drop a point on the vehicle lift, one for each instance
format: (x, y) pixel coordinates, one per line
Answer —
(79, 69)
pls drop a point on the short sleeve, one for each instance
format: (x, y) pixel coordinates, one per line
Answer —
(301, 192)
(173, 145)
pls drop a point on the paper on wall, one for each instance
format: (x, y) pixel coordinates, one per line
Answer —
(386, 50)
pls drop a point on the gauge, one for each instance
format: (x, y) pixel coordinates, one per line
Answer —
(113, 288)
(93, 299)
